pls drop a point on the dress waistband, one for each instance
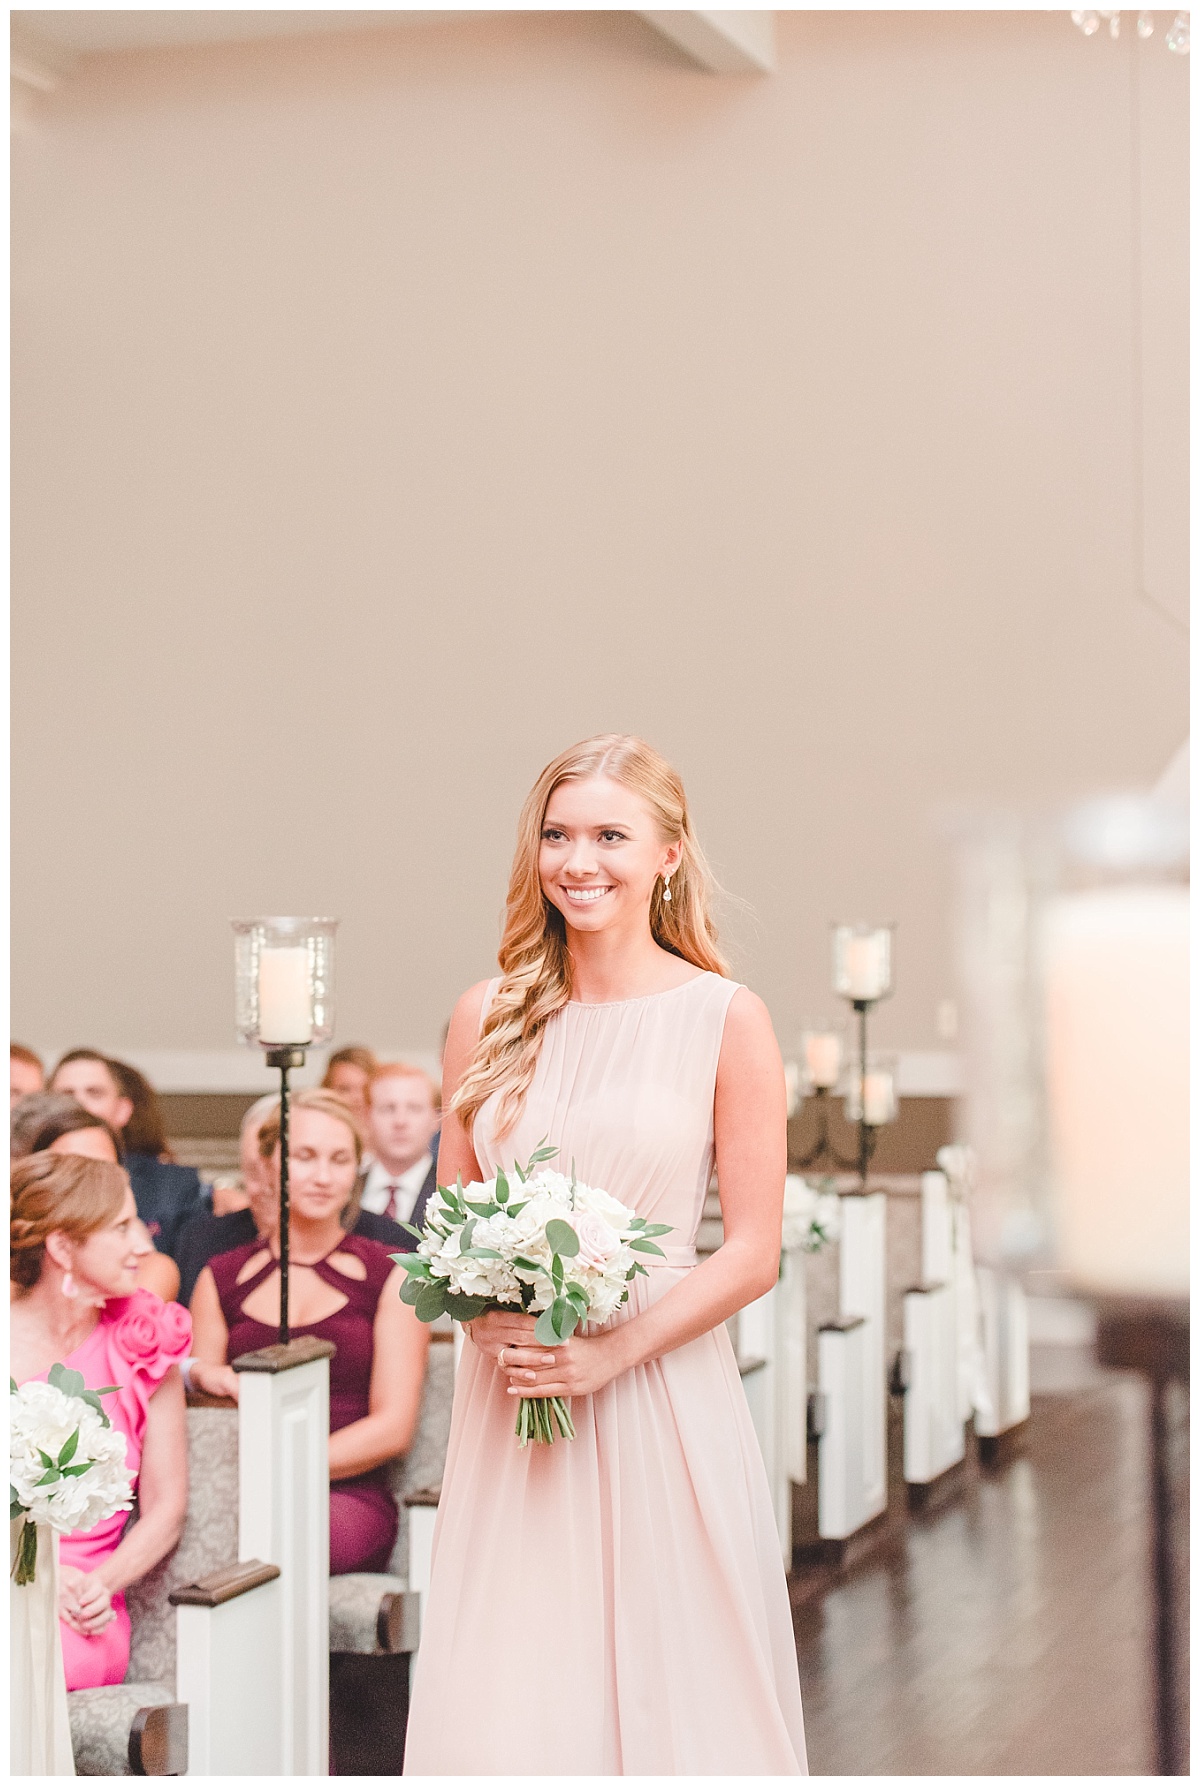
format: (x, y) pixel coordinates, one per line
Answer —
(676, 1258)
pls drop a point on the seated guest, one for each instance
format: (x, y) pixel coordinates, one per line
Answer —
(343, 1288)
(75, 1247)
(405, 1116)
(32, 1114)
(236, 1191)
(207, 1235)
(167, 1195)
(25, 1073)
(77, 1131)
(348, 1073)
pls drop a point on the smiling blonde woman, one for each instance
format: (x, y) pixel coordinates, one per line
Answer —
(638, 1565)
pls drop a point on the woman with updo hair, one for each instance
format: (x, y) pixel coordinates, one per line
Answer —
(75, 1247)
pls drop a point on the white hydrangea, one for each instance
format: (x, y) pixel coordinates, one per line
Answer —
(41, 1420)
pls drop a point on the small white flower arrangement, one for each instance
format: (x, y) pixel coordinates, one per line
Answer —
(546, 1245)
(812, 1214)
(66, 1461)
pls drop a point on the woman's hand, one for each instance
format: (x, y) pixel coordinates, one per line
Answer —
(214, 1379)
(84, 1602)
(578, 1366)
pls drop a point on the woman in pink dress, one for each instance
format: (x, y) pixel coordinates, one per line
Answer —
(615, 1604)
(76, 1243)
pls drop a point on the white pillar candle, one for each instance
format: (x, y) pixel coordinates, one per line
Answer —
(823, 1059)
(879, 1098)
(284, 997)
(1115, 966)
(865, 967)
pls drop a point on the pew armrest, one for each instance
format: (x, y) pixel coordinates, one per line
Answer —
(158, 1740)
(224, 1584)
(371, 1615)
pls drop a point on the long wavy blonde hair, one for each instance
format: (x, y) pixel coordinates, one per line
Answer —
(535, 964)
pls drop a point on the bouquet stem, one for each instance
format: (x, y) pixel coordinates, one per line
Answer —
(25, 1562)
(538, 1417)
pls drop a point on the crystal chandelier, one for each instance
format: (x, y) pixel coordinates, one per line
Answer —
(1179, 37)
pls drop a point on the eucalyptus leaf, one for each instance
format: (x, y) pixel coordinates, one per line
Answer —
(541, 1154)
(410, 1289)
(431, 1302)
(646, 1246)
(465, 1308)
(468, 1229)
(556, 1272)
(481, 1209)
(418, 1233)
(479, 1252)
(501, 1188)
(651, 1229)
(516, 1208)
(545, 1332)
(69, 1449)
(562, 1238)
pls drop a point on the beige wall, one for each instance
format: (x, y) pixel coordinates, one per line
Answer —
(391, 410)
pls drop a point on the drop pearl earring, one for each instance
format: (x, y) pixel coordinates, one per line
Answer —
(70, 1288)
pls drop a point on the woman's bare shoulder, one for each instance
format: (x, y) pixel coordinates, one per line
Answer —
(749, 1033)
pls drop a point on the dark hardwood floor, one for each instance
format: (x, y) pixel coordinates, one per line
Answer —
(1008, 1632)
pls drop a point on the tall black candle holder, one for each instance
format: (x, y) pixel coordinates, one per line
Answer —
(286, 1060)
(823, 1149)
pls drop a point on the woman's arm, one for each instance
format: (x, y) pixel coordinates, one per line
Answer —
(158, 1272)
(750, 1128)
(210, 1340)
(455, 1152)
(161, 1490)
(400, 1349)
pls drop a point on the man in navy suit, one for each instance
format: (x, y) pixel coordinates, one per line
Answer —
(166, 1195)
(404, 1116)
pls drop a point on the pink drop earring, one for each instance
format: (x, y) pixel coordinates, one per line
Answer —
(70, 1288)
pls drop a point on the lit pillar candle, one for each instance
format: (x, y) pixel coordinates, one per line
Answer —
(284, 997)
(823, 1060)
(879, 1099)
(863, 963)
(1115, 966)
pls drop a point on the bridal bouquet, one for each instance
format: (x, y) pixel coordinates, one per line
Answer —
(544, 1245)
(66, 1461)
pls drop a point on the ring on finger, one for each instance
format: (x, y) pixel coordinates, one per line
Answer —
(500, 1359)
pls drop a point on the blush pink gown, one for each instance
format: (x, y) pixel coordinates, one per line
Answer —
(615, 1604)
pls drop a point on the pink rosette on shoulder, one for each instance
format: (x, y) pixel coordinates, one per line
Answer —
(149, 1334)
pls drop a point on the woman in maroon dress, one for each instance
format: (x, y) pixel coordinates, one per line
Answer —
(343, 1288)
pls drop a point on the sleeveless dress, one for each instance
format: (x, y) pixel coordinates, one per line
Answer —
(615, 1604)
(133, 1345)
(362, 1514)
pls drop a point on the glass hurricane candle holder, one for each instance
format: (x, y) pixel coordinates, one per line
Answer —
(871, 1096)
(283, 971)
(862, 962)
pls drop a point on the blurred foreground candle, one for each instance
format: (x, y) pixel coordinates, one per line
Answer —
(284, 997)
(862, 962)
(823, 1058)
(1115, 978)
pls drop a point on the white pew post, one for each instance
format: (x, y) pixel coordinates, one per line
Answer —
(933, 1428)
(283, 1518)
(852, 1468)
(229, 1670)
(1005, 1351)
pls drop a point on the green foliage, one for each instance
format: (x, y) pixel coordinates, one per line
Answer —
(562, 1238)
